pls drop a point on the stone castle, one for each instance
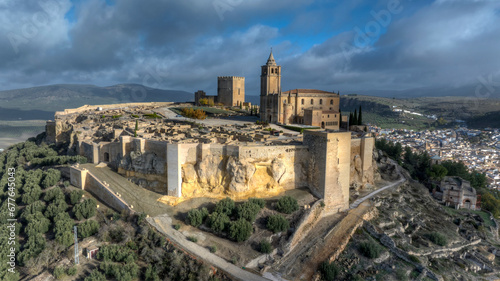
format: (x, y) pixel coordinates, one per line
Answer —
(230, 92)
(185, 160)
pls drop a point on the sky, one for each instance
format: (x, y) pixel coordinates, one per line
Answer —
(347, 46)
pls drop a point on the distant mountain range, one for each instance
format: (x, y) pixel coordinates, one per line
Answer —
(41, 102)
(58, 97)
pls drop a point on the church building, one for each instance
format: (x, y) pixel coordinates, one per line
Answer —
(299, 106)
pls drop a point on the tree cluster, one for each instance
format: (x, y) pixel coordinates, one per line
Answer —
(277, 223)
(287, 205)
(192, 113)
(85, 209)
(356, 118)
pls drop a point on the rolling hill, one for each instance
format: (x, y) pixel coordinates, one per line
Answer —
(58, 97)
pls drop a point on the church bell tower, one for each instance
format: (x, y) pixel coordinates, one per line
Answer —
(270, 77)
(270, 88)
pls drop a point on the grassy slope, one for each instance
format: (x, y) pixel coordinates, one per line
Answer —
(378, 110)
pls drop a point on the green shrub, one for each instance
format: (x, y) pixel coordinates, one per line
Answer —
(265, 247)
(141, 217)
(240, 230)
(31, 194)
(57, 206)
(177, 226)
(95, 276)
(247, 211)
(192, 239)
(131, 245)
(218, 222)
(287, 205)
(87, 228)
(194, 217)
(151, 274)
(401, 275)
(86, 209)
(257, 201)
(72, 270)
(59, 272)
(225, 206)
(116, 253)
(37, 223)
(65, 238)
(277, 223)
(213, 249)
(370, 249)
(54, 194)
(37, 206)
(438, 238)
(329, 271)
(58, 160)
(51, 177)
(414, 259)
(75, 196)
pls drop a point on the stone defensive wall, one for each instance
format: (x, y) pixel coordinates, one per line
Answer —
(82, 178)
(306, 223)
(362, 166)
(171, 167)
(111, 106)
(328, 163)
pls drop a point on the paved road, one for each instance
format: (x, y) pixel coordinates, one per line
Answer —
(163, 223)
(397, 183)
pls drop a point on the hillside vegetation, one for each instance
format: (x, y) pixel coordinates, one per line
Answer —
(478, 113)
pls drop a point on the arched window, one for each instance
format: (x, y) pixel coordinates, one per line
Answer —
(320, 101)
(312, 101)
(272, 70)
(302, 101)
(331, 101)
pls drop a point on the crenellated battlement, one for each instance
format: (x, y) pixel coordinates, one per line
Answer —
(231, 77)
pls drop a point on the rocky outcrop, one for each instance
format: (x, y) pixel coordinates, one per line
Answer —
(239, 177)
(240, 172)
(278, 169)
(210, 171)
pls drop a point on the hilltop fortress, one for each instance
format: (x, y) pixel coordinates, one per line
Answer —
(153, 147)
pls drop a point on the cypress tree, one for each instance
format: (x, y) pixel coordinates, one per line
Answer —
(355, 117)
(136, 128)
(360, 118)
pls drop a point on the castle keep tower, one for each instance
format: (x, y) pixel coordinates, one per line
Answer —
(270, 89)
(231, 90)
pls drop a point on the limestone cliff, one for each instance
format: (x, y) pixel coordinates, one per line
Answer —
(216, 176)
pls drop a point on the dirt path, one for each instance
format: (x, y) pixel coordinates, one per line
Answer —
(163, 224)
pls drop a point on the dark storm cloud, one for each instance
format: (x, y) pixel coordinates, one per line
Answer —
(187, 44)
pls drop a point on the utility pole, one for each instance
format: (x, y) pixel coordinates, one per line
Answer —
(77, 260)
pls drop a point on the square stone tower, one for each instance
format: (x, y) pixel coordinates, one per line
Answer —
(270, 90)
(231, 90)
(330, 167)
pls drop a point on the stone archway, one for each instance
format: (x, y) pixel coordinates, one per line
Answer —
(467, 204)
